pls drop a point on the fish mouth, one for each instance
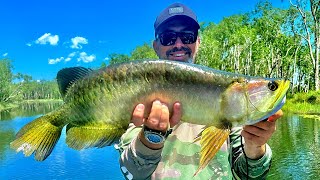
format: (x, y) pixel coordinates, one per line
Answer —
(275, 109)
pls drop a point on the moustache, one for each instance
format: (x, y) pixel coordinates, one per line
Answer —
(175, 49)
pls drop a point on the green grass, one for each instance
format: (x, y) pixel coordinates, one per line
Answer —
(304, 103)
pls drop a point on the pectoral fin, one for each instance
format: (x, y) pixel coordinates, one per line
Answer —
(212, 139)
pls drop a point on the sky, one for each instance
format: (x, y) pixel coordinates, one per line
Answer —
(43, 36)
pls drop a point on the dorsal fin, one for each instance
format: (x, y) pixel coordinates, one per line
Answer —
(67, 76)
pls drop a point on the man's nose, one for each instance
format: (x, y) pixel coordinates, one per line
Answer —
(178, 43)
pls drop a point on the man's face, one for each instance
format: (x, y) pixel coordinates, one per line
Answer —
(175, 38)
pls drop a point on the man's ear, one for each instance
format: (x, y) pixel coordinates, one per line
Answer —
(199, 40)
(155, 47)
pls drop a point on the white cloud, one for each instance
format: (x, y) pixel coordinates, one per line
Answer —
(85, 58)
(47, 38)
(70, 56)
(67, 59)
(29, 44)
(77, 41)
(5, 54)
(55, 61)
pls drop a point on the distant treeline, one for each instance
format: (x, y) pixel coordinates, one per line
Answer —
(18, 87)
(268, 42)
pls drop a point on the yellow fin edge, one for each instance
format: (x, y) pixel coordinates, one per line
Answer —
(212, 139)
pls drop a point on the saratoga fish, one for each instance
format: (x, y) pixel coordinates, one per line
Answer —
(98, 104)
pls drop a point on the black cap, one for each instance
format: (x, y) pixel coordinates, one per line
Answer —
(176, 10)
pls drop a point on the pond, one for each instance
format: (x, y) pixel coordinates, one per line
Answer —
(295, 145)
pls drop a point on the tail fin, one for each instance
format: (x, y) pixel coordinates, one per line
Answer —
(39, 137)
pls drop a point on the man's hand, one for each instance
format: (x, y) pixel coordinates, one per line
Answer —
(159, 119)
(257, 135)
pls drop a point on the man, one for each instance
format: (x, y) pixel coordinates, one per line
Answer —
(147, 152)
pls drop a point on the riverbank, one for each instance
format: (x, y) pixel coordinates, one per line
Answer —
(304, 103)
(7, 106)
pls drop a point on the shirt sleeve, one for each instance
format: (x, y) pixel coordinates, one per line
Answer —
(245, 168)
(136, 160)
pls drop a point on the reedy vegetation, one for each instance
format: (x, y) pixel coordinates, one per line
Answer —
(268, 41)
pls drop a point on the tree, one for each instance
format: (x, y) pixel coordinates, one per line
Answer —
(118, 58)
(6, 78)
(308, 27)
(143, 52)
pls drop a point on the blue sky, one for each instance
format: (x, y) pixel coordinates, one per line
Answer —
(41, 37)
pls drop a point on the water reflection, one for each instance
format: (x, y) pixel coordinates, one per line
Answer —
(296, 149)
(29, 109)
(6, 136)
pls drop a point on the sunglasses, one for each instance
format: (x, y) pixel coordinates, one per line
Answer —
(170, 38)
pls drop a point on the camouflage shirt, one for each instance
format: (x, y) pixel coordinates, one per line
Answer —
(179, 158)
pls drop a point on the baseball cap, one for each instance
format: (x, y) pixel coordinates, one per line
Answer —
(176, 10)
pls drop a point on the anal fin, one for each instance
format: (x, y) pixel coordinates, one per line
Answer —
(92, 135)
(212, 139)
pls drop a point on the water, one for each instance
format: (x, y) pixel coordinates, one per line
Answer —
(63, 163)
(295, 145)
(296, 149)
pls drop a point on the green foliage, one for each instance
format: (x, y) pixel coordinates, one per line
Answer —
(140, 52)
(143, 52)
(6, 78)
(40, 90)
(304, 103)
(266, 42)
(103, 65)
(24, 88)
(118, 58)
(312, 97)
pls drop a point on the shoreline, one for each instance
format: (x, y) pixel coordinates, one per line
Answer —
(8, 106)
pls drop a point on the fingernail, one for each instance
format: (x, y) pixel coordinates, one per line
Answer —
(177, 105)
(140, 107)
(157, 102)
(163, 125)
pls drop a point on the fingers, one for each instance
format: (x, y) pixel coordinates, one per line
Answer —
(258, 134)
(260, 129)
(177, 113)
(137, 115)
(159, 117)
(252, 139)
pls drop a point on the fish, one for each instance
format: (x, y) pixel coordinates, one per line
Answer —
(98, 104)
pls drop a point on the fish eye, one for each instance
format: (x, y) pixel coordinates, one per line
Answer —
(273, 85)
